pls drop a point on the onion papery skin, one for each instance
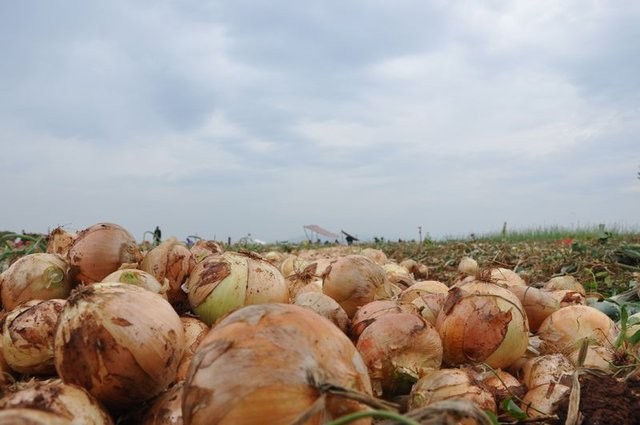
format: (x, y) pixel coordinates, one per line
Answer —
(70, 402)
(166, 409)
(506, 277)
(139, 278)
(370, 312)
(502, 385)
(194, 332)
(6, 374)
(567, 297)
(261, 365)
(544, 400)
(225, 282)
(171, 260)
(399, 349)
(546, 369)
(376, 255)
(36, 276)
(203, 248)
(59, 241)
(398, 275)
(326, 307)
(427, 296)
(27, 337)
(448, 384)
(100, 250)
(564, 330)
(482, 322)
(307, 273)
(537, 304)
(25, 416)
(564, 282)
(355, 280)
(120, 342)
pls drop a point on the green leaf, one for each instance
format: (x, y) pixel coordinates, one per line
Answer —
(635, 338)
(509, 406)
(492, 417)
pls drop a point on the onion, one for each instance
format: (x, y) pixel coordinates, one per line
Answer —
(376, 255)
(482, 322)
(194, 332)
(292, 265)
(36, 276)
(546, 369)
(427, 296)
(69, 402)
(27, 337)
(6, 374)
(23, 416)
(121, 353)
(564, 282)
(166, 409)
(263, 364)
(502, 385)
(309, 274)
(506, 277)
(171, 260)
(398, 275)
(567, 297)
(368, 313)
(139, 278)
(60, 241)
(224, 282)
(419, 271)
(398, 349)
(202, 249)
(468, 266)
(564, 330)
(544, 400)
(597, 357)
(325, 306)
(353, 281)
(101, 249)
(537, 304)
(275, 257)
(448, 384)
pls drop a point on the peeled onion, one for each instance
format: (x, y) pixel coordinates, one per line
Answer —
(27, 337)
(325, 306)
(68, 402)
(171, 260)
(565, 329)
(101, 249)
(355, 280)
(398, 349)
(120, 342)
(36, 276)
(482, 322)
(139, 278)
(224, 282)
(262, 364)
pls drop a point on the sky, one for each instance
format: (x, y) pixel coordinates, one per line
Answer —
(232, 117)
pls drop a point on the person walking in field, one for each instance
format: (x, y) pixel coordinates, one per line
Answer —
(157, 236)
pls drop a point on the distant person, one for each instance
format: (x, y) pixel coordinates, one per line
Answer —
(157, 236)
(350, 239)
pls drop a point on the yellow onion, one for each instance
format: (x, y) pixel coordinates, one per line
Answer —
(120, 342)
(567, 297)
(419, 271)
(275, 257)
(546, 369)
(36, 276)
(398, 349)
(565, 329)
(325, 306)
(263, 364)
(304, 274)
(537, 304)
(27, 337)
(506, 277)
(468, 266)
(139, 278)
(450, 384)
(60, 241)
(194, 332)
(564, 282)
(166, 409)
(368, 313)
(482, 322)
(376, 255)
(292, 264)
(203, 248)
(224, 282)
(502, 384)
(398, 274)
(6, 374)
(24, 416)
(427, 296)
(101, 249)
(544, 400)
(171, 260)
(597, 357)
(69, 402)
(355, 280)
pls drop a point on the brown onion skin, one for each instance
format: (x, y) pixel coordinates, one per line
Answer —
(370, 312)
(194, 332)
(258, 365)
(100, 250)
(26, 416)
(121, 353)
(166, 409)
(324, 306)
(173, 261)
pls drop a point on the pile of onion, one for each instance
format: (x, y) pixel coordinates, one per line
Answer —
(36, 276)
(325, 306)
(355, 280)
(427, 296)
(370, 312)
(264, 364)
(225, 282)
(122, 343)
(482, 322)
(139, 278)
(27, 336)
(100, 250)
(399, 349)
